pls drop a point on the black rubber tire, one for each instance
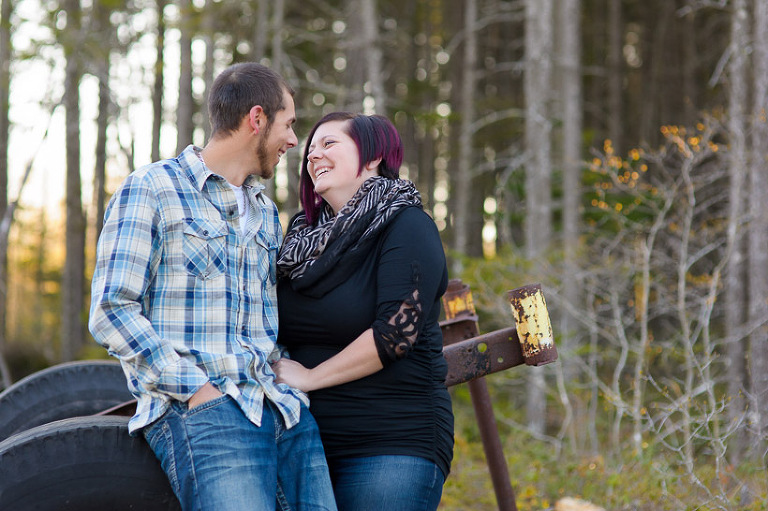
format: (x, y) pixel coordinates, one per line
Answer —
(60, 392)
(82, 464)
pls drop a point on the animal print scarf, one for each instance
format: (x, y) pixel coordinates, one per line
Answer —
(316, 258)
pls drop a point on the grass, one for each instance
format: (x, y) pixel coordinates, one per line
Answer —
(654, 481)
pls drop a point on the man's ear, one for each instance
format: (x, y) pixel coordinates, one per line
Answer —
(256, 118)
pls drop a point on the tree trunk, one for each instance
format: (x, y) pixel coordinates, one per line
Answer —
(293, 162)
(185, 108)
(259, 48)
(735, 281)
(690, 99)
(5, 86)
(615, 75)
(101, 16)
(570, 57)
(209, 33)
(462, 195)
(278, 20)
(73, 279)
(419, 153)
(354, 74)
(157, 89)
(372, 52)
(278, 55)
(659, 53)
(758, 232)
(538, 167)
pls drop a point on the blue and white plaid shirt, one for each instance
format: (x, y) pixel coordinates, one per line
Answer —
(181, 297)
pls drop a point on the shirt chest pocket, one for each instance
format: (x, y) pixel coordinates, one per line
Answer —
(205, 248)
(267, 266)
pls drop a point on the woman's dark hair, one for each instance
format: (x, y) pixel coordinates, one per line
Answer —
(375, 137)
(239, 88)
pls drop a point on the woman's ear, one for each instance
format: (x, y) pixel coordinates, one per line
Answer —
(373, 165)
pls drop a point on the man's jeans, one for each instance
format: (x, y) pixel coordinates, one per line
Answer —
(218, 460)
(387, 483)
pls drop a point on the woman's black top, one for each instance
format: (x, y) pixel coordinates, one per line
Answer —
(405, 408)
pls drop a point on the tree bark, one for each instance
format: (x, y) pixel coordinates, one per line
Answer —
(209, 34)
(101, 17)
(278, 21)
(538, 167)
(259, 48)
(354, 74)
(758, 231)
(735, 297)
(570, 57)
(690, 57)
(5, 87)
(73, 279)
(463, 192)
(157, 89)
(185, 108)
(656, 93)
(278, 55)
(372, 52)
(615, 75)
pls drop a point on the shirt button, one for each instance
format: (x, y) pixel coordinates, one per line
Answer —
(205, 233)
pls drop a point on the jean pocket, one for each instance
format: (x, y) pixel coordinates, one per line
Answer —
(205, 248)
(208, 405)
(153, 431)
(159, 436)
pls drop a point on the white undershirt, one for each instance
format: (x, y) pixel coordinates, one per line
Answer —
(243, 205)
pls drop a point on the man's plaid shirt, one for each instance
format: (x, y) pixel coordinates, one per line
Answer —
(181, 297)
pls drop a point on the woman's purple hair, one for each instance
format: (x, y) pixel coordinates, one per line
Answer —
(375, 137)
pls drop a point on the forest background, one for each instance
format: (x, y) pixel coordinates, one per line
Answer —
(612, 150)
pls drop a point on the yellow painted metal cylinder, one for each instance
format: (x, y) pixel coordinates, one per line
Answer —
(534, 328)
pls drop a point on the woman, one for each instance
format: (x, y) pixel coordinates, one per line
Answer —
(361, 273)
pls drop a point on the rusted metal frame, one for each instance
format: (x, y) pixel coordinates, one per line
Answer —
(479, 356)
(127, 409)
(471, 356)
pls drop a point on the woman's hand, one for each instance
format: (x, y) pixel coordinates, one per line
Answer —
(293, 374)
(358, 360)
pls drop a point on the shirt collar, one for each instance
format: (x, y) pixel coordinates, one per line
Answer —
(198, 173)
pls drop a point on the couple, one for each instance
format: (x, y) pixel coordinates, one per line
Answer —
(191, 271)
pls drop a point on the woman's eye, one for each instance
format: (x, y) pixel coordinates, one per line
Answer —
(327, 143)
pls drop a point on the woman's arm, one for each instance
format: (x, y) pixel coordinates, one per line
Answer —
(358, 360)
(411, 265)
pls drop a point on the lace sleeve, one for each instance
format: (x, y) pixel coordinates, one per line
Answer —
(396, 337)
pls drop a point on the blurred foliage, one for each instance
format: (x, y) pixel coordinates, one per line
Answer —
(541, 474)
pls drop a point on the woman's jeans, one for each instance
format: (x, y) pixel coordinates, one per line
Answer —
(218, 460)
(386, 483)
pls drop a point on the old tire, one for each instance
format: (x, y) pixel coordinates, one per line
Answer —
(83, 464)
(60, 392)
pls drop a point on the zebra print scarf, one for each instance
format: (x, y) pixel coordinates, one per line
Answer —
(333, 247)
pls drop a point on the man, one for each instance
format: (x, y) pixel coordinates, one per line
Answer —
(183, 295)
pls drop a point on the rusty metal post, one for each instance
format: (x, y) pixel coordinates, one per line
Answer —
(534, 329)
(461, 324)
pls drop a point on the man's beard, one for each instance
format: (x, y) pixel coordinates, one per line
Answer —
(266, 169)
